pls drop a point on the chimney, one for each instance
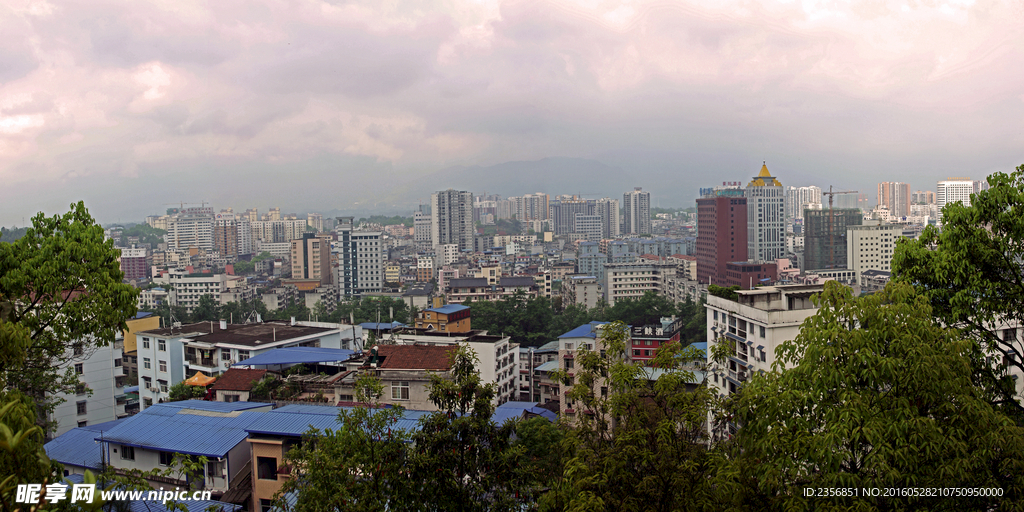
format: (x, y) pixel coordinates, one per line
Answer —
(223, 325)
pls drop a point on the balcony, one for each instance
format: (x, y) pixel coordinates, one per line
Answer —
(207, 362)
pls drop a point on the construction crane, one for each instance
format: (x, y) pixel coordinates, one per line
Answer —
(831, 232)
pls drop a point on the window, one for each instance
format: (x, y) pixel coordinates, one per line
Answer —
(166, 458)
(163, 366)
(127, 452)
(83, 423)
(266, 505)
(568, 346)
(79, 369)
(161, 345)
(243, 354)
(80, 388)
(81, 407)
(147, 382)
(145, 342)
(225, 355)
(399, 390)
(147, 402)
(231, 398)
(147, 363)
(117, 363)
(569, 364)
(213, 469)
(762, 330)
(266, 468)
(163, 385)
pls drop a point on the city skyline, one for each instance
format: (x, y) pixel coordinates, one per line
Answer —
(316, 107)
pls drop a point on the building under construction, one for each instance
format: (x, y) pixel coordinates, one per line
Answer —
(825, 237)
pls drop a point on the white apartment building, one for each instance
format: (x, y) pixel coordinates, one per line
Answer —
(953, 190)
(498, 356)
(189, 288)
(451, 220)
(168, 356)
(871, 246)
(446, 254)
(586, 336)
(362, 257)
(608, 210)
(100, 397)
(589, 226)
(799, 198)
(636, 212)
(581, 289)
(753, 327)
(421, 228)
(633, 280)
(190, 227)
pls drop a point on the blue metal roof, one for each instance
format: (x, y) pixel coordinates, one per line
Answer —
(380, 326)
(549, 366)
(448, 309)
(157, 506)
(583, 331)
(176, 427)
(551, 346)
(515, 410)
(205, 405)
(295, 422)
(700, 345)
(296, 355)
(143, 314)
(76, 447)
(131, 389)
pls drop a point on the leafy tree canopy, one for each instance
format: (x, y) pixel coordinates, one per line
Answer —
(971, 272)
(61, 284)
(871, 393)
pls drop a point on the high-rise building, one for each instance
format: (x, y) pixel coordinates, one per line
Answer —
(361, 260)
(316, 221)
(923, 197)
(530, 207)
(871, 247)
(451, 220)
(190, 227)
(225, 235)
(825, 234)
(421, 227)
(721, 233)
(766, 218)
(564, 211)
(800, 198)
(608, 209)
(896, 197)
(133, 263)
(246, 245)
(953, 190)
(311, 258)
(636, 212)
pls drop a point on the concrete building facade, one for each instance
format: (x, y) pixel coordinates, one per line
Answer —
(766, 218)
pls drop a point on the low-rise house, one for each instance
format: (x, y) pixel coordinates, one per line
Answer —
(449, 318)
(215, 430)
(76, 449)
(405, 372)
(236, 384)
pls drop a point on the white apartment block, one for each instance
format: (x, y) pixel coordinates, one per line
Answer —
(446, 254)
(636, 212)
(633, 280)
(451, 220)
(581, 289)
(421, 229)
(608, 209)
(362, 257)
(190, 227)
(871, 246)
(799, 198)
(589, 226)
(168, 356)
(189, 288)
(100, 397)
(953, 190)
(753, 327)
(498, 357)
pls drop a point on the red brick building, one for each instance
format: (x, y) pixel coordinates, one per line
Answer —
(721, 236)
(747, 275)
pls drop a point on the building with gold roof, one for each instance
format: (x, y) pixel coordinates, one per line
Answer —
(766, 217)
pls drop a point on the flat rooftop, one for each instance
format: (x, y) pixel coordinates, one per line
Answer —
(240, 334)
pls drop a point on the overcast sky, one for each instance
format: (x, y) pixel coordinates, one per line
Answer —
(313, 105)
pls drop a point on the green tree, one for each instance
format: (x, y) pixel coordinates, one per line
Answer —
(633, 444)
(362, 465)
(971, 273)
(208, 309)
(461, 460)
(725, 292)
(182, 391)
(63, 284)
(871, 394)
